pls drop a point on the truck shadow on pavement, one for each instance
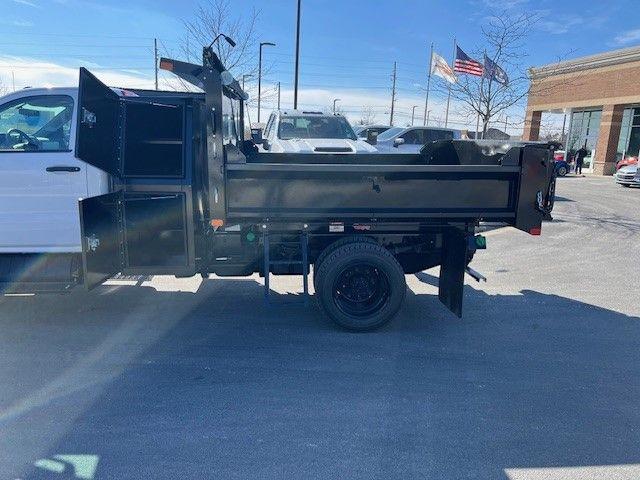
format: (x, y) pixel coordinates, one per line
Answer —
(219, 385)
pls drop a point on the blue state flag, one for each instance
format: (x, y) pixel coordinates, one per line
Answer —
(493, 71)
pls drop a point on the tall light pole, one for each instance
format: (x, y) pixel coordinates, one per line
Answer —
(245, 76)
(413, 113)
(295, 84)
(426, 120)
(334, 104)
(262, 44)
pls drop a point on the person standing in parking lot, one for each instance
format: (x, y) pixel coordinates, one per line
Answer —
(580, 156)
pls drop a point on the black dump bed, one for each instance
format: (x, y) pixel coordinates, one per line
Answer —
(177, 176)
(447, 180)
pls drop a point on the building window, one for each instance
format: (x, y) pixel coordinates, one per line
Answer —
(585, 127)
(629, 142)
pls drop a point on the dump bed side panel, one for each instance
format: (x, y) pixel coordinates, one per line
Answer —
(316, 192)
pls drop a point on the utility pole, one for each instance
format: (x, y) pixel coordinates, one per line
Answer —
(506, 121)
(446, 118)
(413, 113)
(426, 99)
(13, 80)
(155, 59)
(278, 96)
(393, 93)
(428, 113)
(295, 85)
(262, 44)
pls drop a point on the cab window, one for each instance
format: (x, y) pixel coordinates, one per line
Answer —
(230, 120)
(413, 137)
(433, 135)
(314, 127)
(36, 124)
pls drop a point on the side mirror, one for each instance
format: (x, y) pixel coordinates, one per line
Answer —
(372, 137)
(265, 144)
(397, 142)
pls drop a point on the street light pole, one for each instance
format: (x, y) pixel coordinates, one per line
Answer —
(334, 104)
(426, 120)
(295, 85)
(262, 44)
(413, 113)
(245, 76)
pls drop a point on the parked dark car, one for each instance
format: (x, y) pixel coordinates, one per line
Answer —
(562, 167)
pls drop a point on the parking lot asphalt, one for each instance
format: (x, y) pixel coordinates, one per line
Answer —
(167, 378)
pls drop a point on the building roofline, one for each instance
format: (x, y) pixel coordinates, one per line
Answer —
(613, 57)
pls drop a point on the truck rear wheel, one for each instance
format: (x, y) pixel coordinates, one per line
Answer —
(360, 286)
(330, 248)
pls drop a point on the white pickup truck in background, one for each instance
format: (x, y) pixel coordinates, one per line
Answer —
(41, 181)
(299, 131)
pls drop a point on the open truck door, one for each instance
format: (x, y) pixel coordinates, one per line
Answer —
(142, 226)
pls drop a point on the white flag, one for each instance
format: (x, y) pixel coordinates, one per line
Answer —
(440, 67)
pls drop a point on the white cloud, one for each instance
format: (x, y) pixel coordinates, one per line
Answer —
(17, 23)
(27, 3)
(41, 73)
(30, 72)
(353, 101)
(502, 5)
(561, 24)
(625, 38)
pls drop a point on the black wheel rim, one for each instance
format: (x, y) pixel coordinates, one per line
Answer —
(361, 290)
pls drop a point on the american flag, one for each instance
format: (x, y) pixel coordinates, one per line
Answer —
(465, 64)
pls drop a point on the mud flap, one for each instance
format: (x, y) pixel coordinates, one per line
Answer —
(454, 262)
(536, 188)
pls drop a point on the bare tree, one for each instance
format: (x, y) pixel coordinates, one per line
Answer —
(367, 116)
(214, 17)
(486, 97)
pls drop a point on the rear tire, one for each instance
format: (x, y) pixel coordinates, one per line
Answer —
(360, 286)
(330, 248)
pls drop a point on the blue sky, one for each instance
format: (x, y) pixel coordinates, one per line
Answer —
(348, 46)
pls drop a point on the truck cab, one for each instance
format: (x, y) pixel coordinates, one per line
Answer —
(41, 180)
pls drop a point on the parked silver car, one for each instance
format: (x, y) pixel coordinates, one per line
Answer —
(628, 176)
(412, 139)
(363, 131)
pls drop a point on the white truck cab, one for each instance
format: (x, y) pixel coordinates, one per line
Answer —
(301, 131)
(41, 181)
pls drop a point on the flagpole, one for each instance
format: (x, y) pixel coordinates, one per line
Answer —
(426, 100)
(446, 117)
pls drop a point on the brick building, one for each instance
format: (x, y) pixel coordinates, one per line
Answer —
(600, 95)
